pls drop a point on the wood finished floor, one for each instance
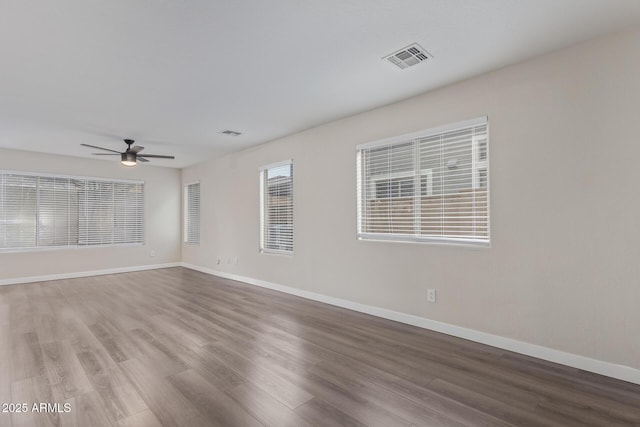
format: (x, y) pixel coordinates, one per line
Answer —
(175, 347)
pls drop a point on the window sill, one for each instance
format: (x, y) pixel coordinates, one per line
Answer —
(424, 240)
(57, 248)
(276, 252)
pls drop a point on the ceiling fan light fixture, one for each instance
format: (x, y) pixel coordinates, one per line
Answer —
(128, 158)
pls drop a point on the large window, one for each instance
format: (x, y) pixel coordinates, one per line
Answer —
(276, 208)
(59, 211)
(428, 186)
(191, 203)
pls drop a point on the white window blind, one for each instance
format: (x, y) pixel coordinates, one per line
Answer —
(96, 213)
(428, 186)
(57, 211)
(276, 207)
(60, 211)
(191, 203)
(128, 211)
(18, 203)
(111, 212)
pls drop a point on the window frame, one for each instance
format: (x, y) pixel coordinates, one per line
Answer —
(424, 173)
(478, 165)
(186, 215)
(38, 248)
(263, 170)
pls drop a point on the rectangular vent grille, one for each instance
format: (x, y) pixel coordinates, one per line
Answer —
(230, 132)
(408, 56)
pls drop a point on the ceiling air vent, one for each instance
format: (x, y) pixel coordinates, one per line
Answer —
(408, 56)
(230, 132)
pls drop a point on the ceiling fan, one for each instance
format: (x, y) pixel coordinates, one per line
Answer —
(131, 156)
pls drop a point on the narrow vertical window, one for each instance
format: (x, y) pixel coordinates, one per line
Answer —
(191, 234)
(276, 208)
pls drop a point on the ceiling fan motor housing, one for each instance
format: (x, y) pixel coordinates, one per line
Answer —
(128, 158)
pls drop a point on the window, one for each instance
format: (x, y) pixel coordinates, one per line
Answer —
(191, 203)
(111, 212)
(57, 211)
(60, 211)
(18, 203)
(276, 208)
(429, 186)
(401, 184)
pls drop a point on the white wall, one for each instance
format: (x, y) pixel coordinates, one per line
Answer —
(162, 218)
(563, 270)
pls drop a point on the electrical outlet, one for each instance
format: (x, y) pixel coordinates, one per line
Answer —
(431, 295)
(235, 260)
(152, 253)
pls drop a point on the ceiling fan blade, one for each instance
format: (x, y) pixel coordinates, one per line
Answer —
(137, 148)
(156, 156)
(100, 148)
(141, 159)
(106, 154)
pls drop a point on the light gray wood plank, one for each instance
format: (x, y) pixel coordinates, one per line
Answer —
(66, 376)
(320, 413)
(141, 419)
(264, 407)
(170, 406)
(216, 406)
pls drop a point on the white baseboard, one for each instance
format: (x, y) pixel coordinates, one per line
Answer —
(621, 372)
(61, 276)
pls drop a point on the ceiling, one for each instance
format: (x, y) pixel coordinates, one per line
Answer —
(173, 74)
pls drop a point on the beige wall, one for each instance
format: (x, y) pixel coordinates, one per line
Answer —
(162, 218)
(563, 270)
